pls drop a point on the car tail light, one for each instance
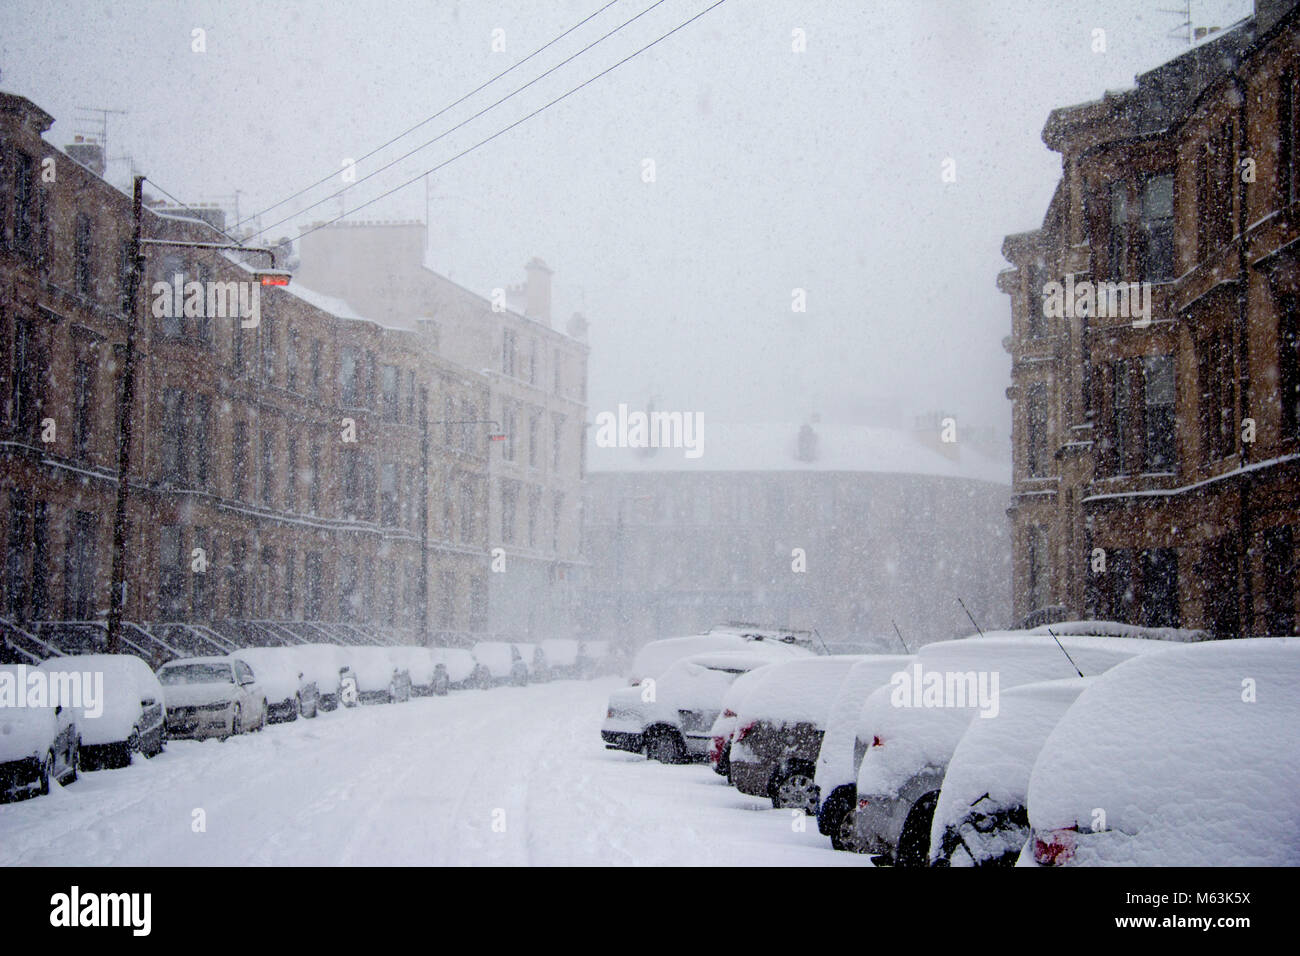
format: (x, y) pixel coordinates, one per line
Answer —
(610, 712)
(742, 731)
(728, 713)
(876, 741)
(715, 749)
(634, 682)
(1054, 847)
(863, 803)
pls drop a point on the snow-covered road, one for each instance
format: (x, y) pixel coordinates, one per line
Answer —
(506, 776)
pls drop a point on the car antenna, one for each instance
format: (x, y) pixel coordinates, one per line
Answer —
(971, 616)
(819, 637)
(900, 635)
(1065, 652)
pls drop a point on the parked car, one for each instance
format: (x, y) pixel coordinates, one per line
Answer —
(925, 715)
(670, 719)
(980, 818)
(428, 674)
(561, 657)
(535, 662)
(323, 665)
(131, 719)
(595, 658)
(779, 728)
(380, 678)
(656, 657)
(1185, 758)
(836, 778)
(290, 693)
(211, 697)
(502, 661)
(719, 752)
(39, 746)
(460, 665)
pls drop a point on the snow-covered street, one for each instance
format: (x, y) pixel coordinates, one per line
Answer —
(505, 776)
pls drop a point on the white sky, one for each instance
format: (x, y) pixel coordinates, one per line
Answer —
(775, 170)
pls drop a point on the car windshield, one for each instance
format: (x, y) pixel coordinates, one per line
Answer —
(197, 674)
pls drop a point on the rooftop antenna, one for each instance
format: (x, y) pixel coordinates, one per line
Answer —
(1065, 652)
(972, 618)
(900, 635)
(93, 121)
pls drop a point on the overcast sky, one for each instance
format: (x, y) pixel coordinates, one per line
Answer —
(774, 170)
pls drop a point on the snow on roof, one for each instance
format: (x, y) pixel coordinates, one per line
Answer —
(773, 447)
(326, 303)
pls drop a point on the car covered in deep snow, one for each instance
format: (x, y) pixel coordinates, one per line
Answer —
(324, 666)
(535, 661)
(502, 662)
(130, 719)
(290, 693)
(211, 697)
(1186, 758)
(459, 664)
(719, 751)
(39, 746)
(379, 674)
(836, 776)
(561, 655)
(918, 725)
(779, 728)
(428, 674)
(980, 818)
(670, 719)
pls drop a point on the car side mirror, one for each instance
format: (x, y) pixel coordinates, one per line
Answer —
(58, 709)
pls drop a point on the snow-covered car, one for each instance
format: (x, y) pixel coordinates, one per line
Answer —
(323, 665)
(719, 752)
(211, 697)
(380, 678)
(980, 818)
(502, 661)
(779, 727)
(561, 657)
(670, 719)
(131, 717)
(594, 657)
(534, 660)
(428, 674)
(656, 657)
(460, 665)
(836, 777)
(1186, 758)
(290, 693)
(929, 708)
(39, 745)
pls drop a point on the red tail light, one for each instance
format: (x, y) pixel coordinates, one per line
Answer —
(1055, 847)
(610, 712)
(863, 803)
(876, 741)
(728, 713)
(742, 731)
(715, 749)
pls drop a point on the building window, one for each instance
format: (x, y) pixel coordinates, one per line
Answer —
(174, 467)
(509, 420)
(1160, 588)
(1280, 585)
(314, 585)
(410, 397)
(1288, 125)
(267, 339)
(80, 564)
(1121, 426)
(171, 576)
(557, 442)
(1036, 426)
(1039, 569)
(24, 186)
(201, 602)
(348, 376)
(171, 270)
(26, 378)
(1035, 321)
(84, 406)
(557, 516)
(16, 556)
(40, 561)
(509, 498)
(508, 352)
(534, 429)
(534, 509)
(291, 477)
(388, 493)
(1288, 364)
(82, 271)
(291, 360)
(290, 567)
(1158, 228)
(388, 386)
(478, 604)
(1215, 180)
(1117, 245)
(315, 366)
(313, 485)
(1158, 385)
(268, 467)
(467, 510)
(239, 462)
(1217, 395)
(447, 599)
(349, 599)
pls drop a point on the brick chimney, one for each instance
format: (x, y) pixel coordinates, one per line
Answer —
(537, 291)
(87, 152)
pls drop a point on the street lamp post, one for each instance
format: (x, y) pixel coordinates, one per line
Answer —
(125, 411)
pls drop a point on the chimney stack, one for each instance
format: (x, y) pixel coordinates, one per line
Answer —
(88, 153)
(537, 295)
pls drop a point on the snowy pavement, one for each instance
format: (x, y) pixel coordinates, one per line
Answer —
(506, 776)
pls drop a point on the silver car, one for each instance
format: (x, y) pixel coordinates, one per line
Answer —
(212, 697)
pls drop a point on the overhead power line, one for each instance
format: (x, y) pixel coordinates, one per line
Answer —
(518, 122)
(429, 119)
(462, 123)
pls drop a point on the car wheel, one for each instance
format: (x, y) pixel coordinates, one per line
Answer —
(844, 837)
(666, 747)
(296, 712)
(795, 791)
(914, 844)
(132, 747)
(75, 765)
(235, 721)
(47, 772)
(261, 722)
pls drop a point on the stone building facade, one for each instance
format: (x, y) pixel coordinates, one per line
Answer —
(1157, 451)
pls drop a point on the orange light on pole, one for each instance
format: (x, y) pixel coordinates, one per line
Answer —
(273, 276)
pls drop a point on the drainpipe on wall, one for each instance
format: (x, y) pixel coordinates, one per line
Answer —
(1245, 587)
